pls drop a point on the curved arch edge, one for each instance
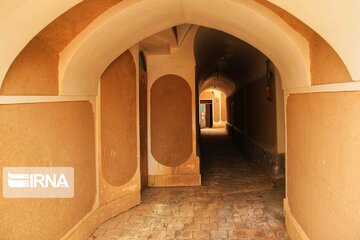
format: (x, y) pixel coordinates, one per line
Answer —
(83, 61)
(23, 27)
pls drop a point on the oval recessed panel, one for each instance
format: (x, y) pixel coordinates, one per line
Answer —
(171, 120)
(118, 121)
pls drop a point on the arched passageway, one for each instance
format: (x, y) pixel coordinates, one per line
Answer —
(56, 73)
(239, 196)
(241, 89)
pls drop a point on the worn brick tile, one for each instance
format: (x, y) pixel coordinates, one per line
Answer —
(236, 201)
(110, 224)
(187, 234)
(218, 234)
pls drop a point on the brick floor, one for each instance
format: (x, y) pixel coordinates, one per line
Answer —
(236, 201)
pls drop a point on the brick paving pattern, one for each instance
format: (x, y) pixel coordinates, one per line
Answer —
(236, 201)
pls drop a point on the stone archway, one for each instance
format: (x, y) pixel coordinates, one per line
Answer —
(89, 53)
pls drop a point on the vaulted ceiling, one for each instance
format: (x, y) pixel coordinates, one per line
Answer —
(224, 61)
(72, 42)
(164, 41)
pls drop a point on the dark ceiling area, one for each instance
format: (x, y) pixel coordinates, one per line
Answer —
(226, 62)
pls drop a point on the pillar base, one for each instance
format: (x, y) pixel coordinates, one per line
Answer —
(174, 180)
(293, 228)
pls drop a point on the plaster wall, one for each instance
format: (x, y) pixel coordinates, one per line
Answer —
(207, 95)
(223, 108)
(86, 57)
(170, 103)
(119, 160)
(216, 103)
(27, 77)
(254, 115)
(325, 63)
(97, 13)
(256, 121)
(32, 72)
(261, 115)
(322, 165)
(112, 200)
(182, 64)
(48, 134)
(280, 113)
(22, 21)
(70, 128)
(334, 21)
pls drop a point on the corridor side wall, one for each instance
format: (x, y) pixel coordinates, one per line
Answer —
(256, 121)
(323, 142)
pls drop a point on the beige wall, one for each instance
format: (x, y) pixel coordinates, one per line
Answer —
(333, 70)
(335, 23)
(35, 69)
(251, 113)
(32, 72)
(207, 95)
(180, 63)
(280, 113)
(113, 199)
(261, 115)
(321, 199)
(48, 134)
(22, 21)
(216, 107)
(223, 108)
(119, 162)
(171, 120)
(323, 141)
(65, 131)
